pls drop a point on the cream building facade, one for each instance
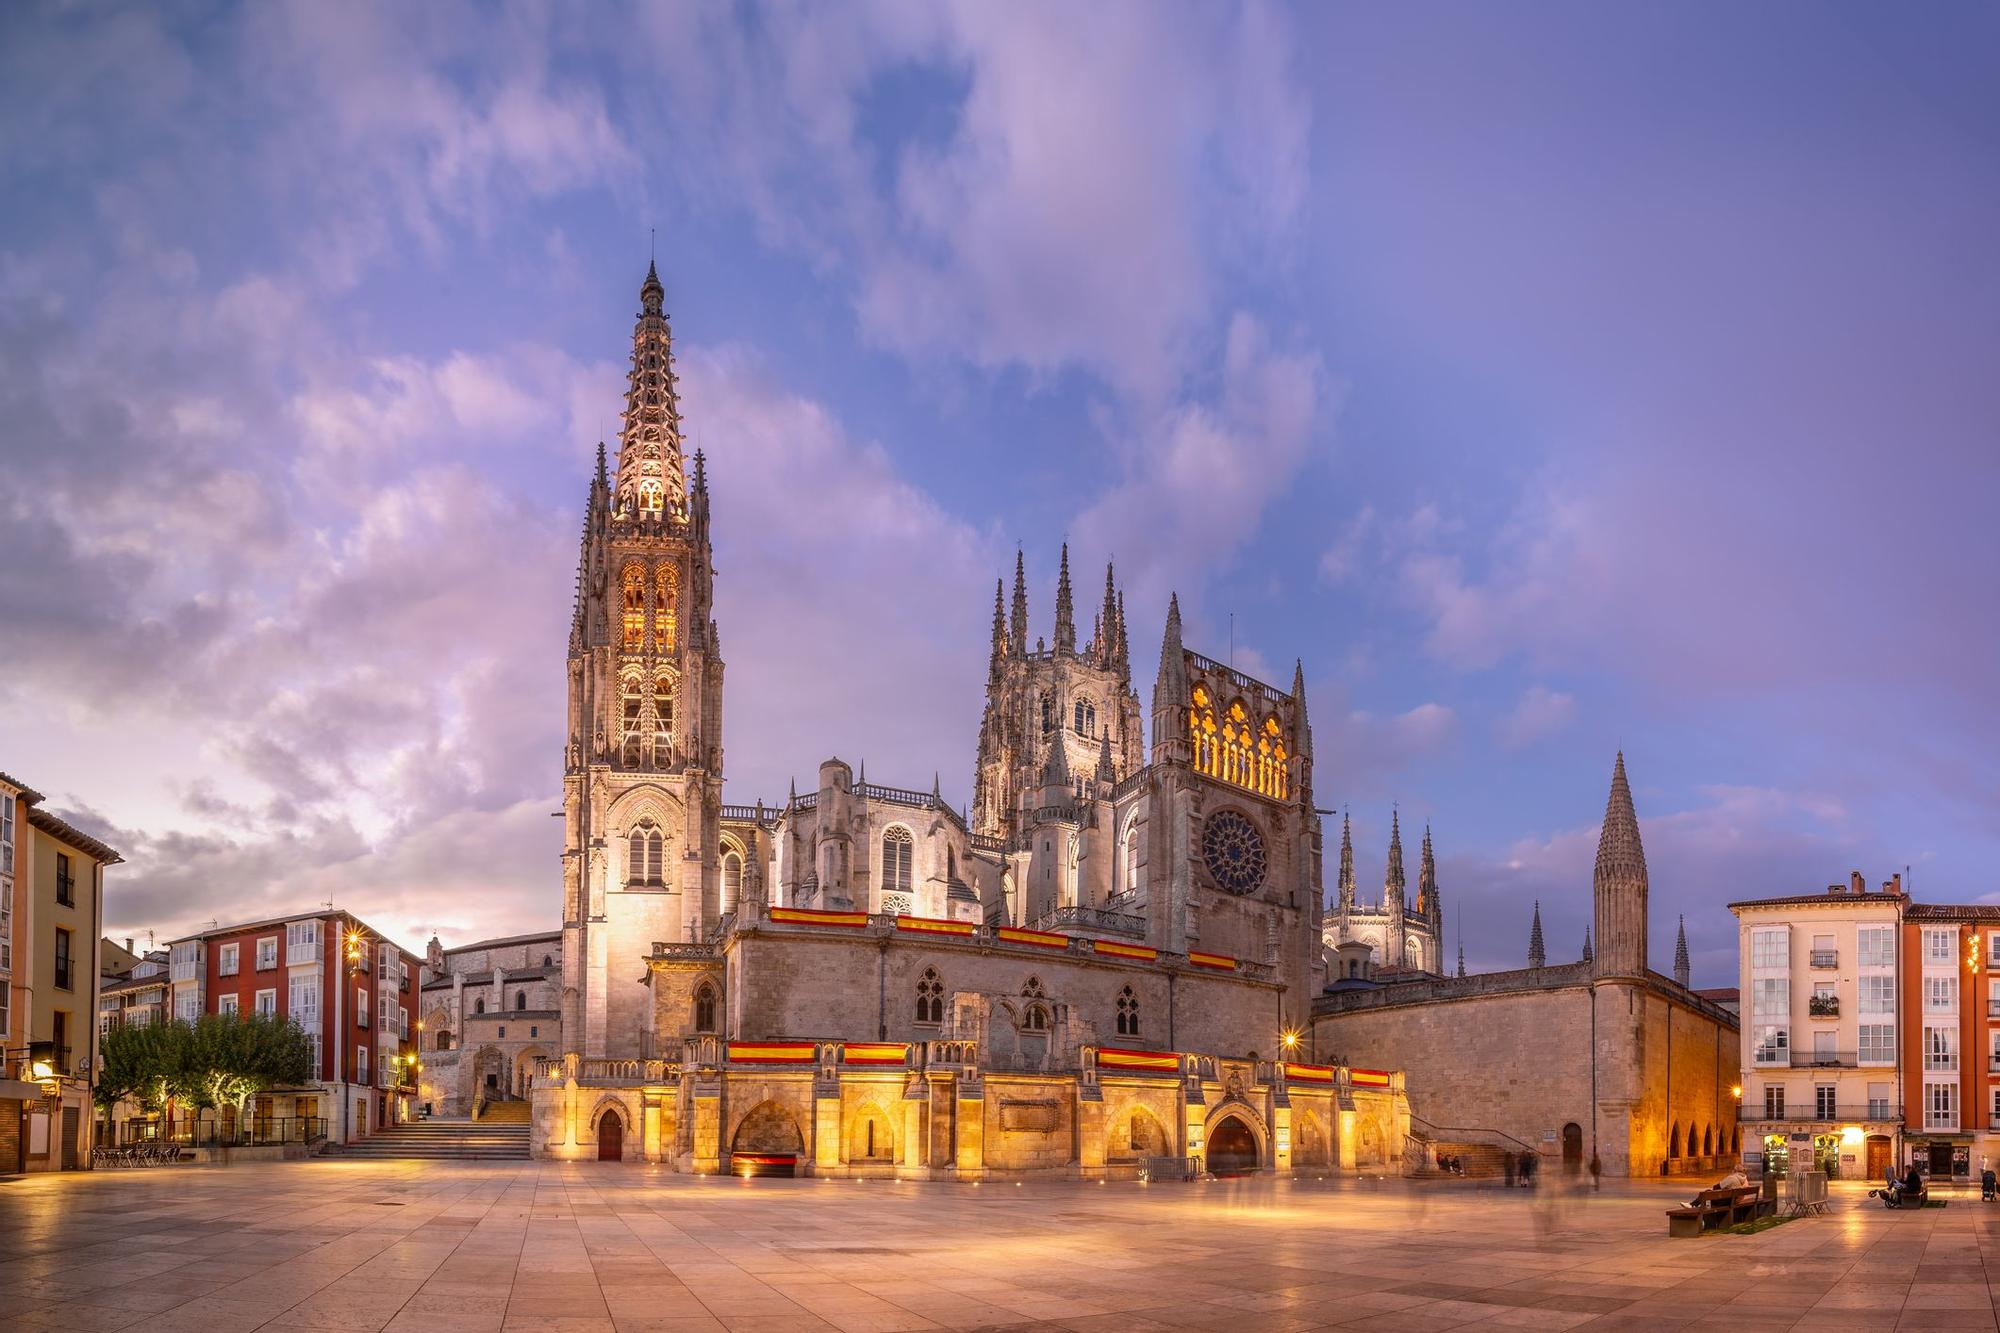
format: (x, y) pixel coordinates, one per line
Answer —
(490, 1012)
(1821, 1042)
(1105, 961)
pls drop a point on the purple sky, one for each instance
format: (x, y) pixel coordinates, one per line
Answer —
(1548, 379)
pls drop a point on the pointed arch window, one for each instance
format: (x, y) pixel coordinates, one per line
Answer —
(1129, 852)
(732, 880)
(1128, 1013)
(930, 997)
(1202, 731)
(646, 855)
(897, 849)
(479, 1005)
(666, 612)
(663, 716)
(632, 706)
(652, 497)
(520, 999)
(1048, 714)
(634, 595)
(704, 1008)
(1085, 719)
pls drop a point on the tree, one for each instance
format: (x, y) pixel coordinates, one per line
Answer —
(235, 1058)
(150, 1064)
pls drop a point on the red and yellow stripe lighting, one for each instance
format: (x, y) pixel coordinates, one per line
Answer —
(876, 1053)
(1041, 939)
(932, 925)
(1368, 1078)
(1309, 1073)
(1113, 949)
(1144, 1062)
(771, 1052)
(1215, 960)
(810, 916)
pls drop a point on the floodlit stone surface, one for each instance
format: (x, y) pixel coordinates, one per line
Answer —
(451, 1246)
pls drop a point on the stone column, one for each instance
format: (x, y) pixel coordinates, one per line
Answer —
(971, 1158)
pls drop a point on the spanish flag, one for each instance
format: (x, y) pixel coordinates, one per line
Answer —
(771, 1052)
(876, 1053)
(1214, 960)
(1041, 939)
(808, 916)
(1368, 1078)
(931, 925)
(1113, 949)
(1309, 1073)
(1145, 1062)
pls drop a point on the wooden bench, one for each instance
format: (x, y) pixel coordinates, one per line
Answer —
(1714, 1208)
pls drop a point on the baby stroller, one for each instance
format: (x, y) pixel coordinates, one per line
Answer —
(1989, 1187)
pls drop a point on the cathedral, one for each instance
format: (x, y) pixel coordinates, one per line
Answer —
(1367, 941)
(1105, 964)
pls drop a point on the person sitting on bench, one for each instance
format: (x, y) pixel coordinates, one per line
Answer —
(1735, 1180)
(1910, 1187)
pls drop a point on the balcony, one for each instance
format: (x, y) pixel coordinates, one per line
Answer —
(1825, 1059)
(1823, 1006)
(1877, 1112)
(1824, 958)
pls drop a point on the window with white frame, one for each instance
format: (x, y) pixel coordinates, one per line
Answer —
(184, 962)
(5, 992)
(1940, 946)
(1878, 1101)
(1993, 1054)
(317, 1066)
(1774, 1101)
(1940, 1106)
(1878, 995)
(361, 1064)
(302, 942)
(1993, 997)
(6, 925)
(1878, 1043)
(226, 958)
(1824, 1106)
(361, 1006)
(1940, 1049)
(402, 1021)
(6, 833)
(1940, 995)
(303, 1002)
(1770, 997)
(1876, 946)
(225, 1004)
(1770, 949)
(267, 1003)
(188, 1008)
(1774, 1045)
(267, 953)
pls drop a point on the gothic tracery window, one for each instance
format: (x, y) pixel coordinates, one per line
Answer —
(896, 857)
(1085, 721)
(631, 704)
(704, 1008)
(930, 997)
(666, 613)
(652, 496)
(663, 715)
(1128, 1013)
(634, 581)
(1130, 852)
(646, 854)
(1235, 749)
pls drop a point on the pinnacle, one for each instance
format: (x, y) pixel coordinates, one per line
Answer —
(1537, 956)
(1620, 855)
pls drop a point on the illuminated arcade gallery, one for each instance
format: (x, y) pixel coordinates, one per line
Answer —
(1103, 966)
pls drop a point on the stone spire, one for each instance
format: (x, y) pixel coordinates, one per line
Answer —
(1587, 950)
(1107, 623)
(1346, 886)
(1121, 661)
(1018, 636)
(1393, 883)
(1427, 879)
(1461, 959)
(1170, 691)
(1537, 956)
(651, 482)
(1304, 735)
(1618, 886)
(1055, 768)
(1105, 773)
(999, 633)
(1065, 608)
(1681, 968)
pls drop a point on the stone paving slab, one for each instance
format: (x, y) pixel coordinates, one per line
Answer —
(495, 1247)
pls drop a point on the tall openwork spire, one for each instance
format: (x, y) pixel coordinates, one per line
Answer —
(1427, 879)
(1121, 660)
(1107, 623)
(1681, 968)
(1018, 628)
(1537, 955)
(1065, 608)
(1618, 886)
(1588, 952)
(999, 633)
(1394, 882)
(651, 480)
(1346, 889)
(1461, 960)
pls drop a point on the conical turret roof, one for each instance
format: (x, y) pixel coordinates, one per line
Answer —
(1619, 853)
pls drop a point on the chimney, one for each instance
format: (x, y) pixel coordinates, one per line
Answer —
(1855, 883)
(1896, 884)
(1833, 888)
(128, 944)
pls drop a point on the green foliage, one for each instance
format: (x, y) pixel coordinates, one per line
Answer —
(218, 1060)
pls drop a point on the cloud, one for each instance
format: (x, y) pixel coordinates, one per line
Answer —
(1541, 712)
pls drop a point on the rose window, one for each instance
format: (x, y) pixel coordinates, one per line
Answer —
(1233, 851)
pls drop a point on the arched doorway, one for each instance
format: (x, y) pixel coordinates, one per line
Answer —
(1572, 1147)
(1878, 1156)
(1232, 1148)
(767, 1143)
(611, 1137)
(524, 1069)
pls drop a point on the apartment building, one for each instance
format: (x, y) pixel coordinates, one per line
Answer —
(1822, 1061)
(51, 912)
(349, 986)
(1952, 1055)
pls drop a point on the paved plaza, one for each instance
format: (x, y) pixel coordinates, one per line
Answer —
(450, 1246)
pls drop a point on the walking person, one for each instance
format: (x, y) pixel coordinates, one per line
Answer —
(1511, 1164)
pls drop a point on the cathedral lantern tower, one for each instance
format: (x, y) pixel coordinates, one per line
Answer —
(642, 784)
(1039, 697)
(1619, 887)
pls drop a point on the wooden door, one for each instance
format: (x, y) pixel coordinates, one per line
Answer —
(611, 1138)
(1878, 1157)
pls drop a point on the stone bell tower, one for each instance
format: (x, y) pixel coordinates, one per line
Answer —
(642, 773)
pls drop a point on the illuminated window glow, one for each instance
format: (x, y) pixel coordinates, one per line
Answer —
(634, 581)
(1236, 750)
(666, 612)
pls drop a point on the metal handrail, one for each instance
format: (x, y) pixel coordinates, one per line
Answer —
(1440, 1131)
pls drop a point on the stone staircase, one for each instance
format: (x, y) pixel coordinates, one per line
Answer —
(489, 1139)
(504, 1113)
